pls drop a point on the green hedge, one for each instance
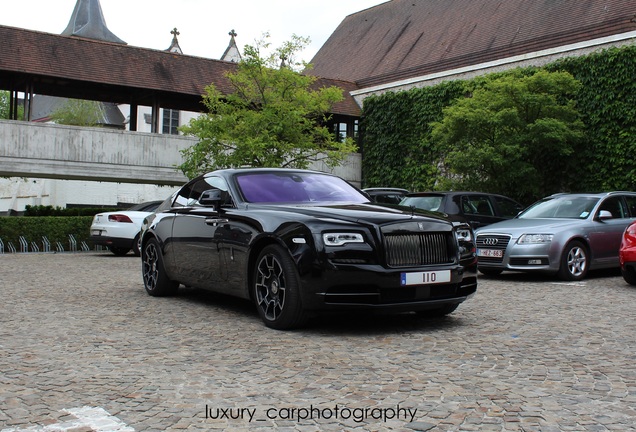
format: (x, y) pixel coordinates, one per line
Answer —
(59, 211)
(55, 229)
(395, 126)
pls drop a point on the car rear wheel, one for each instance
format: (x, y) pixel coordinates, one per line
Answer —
(276, 288)
(156, 281)
(119, 251)
(574, 262)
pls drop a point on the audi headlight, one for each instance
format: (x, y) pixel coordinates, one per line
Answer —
(341, 238)
(535, 238)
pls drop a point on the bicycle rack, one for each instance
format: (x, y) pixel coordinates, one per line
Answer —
(1, 247)
(46, 244)
(72, 243)
(24, 245)
(59, 247)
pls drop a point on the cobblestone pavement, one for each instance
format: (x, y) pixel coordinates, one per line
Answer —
(84, 348)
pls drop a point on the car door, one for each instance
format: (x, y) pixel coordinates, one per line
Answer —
(605, 240)
(196, 246)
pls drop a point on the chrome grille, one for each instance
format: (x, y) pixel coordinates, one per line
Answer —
(492, 241)
(404, 250)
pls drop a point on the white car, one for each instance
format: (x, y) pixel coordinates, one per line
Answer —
(119, 230)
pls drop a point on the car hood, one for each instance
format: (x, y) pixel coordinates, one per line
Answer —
(543, 225)
(359, 213)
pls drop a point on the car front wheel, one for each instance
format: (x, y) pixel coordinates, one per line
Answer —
(156, 281)
(574, 262)
(276, 289)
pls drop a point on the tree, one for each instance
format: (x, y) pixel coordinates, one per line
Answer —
(273, 117)
(5, 106)
(78, 112)
(516, 134)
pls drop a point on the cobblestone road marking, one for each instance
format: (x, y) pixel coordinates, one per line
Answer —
(97, 419)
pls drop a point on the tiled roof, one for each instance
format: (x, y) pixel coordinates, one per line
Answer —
(76, 67)
(401, 39)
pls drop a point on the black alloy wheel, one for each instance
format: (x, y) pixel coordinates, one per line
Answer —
(156, 282)
(276, 289)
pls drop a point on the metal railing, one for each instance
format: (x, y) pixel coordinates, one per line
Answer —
(26, 246)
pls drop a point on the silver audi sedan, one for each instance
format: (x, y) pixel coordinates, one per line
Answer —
(563, 234)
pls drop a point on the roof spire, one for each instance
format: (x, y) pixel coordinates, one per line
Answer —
(232, 53)
(88, 22)
(174, 46)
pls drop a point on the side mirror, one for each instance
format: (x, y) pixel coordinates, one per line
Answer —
(604, 214)
(212, 198)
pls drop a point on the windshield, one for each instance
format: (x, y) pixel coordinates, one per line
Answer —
(564, 207)
(431, 203)
(296, 187)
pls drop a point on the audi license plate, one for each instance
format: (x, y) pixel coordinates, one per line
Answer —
(96, 233)
(425, 278)
(491, 253)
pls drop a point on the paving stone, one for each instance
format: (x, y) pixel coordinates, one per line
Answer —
(525, 354)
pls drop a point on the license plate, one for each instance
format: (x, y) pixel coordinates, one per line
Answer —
(491, 253)
(425, 278)
(96, 233)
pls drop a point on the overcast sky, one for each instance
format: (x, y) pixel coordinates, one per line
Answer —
(203, 24)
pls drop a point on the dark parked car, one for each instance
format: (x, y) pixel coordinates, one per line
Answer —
(297, 242)
(477, 208)
(386, 195)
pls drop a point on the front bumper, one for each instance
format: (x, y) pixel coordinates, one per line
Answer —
(544, 257)
(375, 287)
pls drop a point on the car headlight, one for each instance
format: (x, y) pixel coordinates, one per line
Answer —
(535, 238)
(341, 238)
(464, 234)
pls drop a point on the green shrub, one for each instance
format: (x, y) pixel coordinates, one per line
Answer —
(59, 211)
(55, 229)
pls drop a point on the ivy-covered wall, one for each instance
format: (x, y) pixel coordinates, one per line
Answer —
(395, 126)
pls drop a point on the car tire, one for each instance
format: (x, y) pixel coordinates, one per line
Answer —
(489, 272)
(137, 245)
(276, 289)
(119, 251)
(574, 262)
(629, 275)
(156, 281)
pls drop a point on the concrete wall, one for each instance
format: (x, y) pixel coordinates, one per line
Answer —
(48, 164)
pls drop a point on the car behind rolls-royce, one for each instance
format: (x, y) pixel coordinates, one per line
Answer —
(299, 242)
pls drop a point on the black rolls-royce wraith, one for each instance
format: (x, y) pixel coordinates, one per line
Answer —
(297, 242)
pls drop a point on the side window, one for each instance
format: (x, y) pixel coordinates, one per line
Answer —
(615, 206)
(482, 204)
(181, 200)
(631, 205)
(508, 207)
(467, 206)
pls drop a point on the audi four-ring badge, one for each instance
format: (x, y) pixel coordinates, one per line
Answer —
(299, 242)
(564, 234)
